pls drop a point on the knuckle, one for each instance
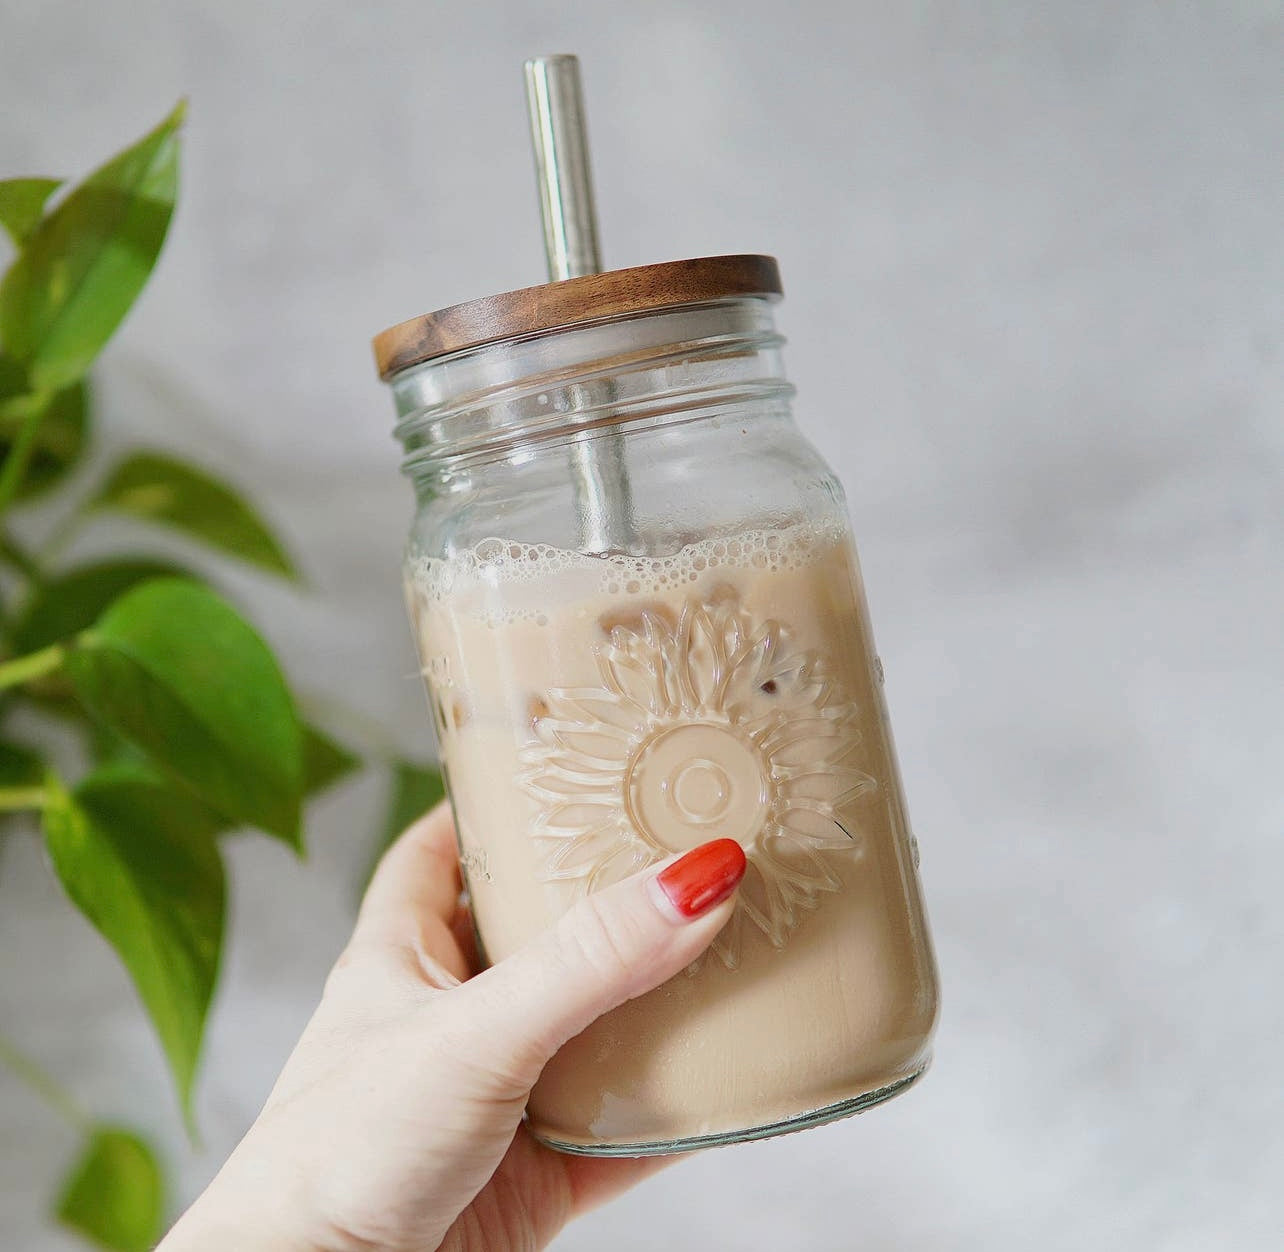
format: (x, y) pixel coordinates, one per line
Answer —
(591, 939)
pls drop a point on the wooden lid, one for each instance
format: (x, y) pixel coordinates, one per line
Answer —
(554, 306)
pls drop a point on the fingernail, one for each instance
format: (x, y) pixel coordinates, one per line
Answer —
(705, 876)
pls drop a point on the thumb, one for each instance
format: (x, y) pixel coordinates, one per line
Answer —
(608, 948)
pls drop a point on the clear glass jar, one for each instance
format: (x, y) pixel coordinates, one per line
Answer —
(642, 626)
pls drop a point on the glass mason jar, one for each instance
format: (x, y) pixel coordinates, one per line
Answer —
(642, 626)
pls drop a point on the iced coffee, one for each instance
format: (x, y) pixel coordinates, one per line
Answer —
(598, 713)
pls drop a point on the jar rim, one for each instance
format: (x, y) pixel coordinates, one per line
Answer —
(574, 301)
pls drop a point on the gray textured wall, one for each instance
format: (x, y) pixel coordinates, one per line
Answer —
(1034, 269)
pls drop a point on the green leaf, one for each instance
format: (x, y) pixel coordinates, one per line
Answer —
(20, 765)
(106, 747)
(83, 266)
(115, 1193)
(73, 601)
(175, 669)
(60, 441)
(415, 789)
(61, 432)
(159, 489)
(13, 382)
(324, 760)
(137, 856)
(22, 202)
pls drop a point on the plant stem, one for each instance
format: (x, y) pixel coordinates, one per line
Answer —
(43, 1084)
(15, 464)
(23, 669)
(15, 799)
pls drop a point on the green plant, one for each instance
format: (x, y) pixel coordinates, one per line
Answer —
(174, 714)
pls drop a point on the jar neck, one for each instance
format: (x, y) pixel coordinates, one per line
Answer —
(497, 400)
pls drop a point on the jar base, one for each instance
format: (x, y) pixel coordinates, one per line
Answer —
(804, 1121)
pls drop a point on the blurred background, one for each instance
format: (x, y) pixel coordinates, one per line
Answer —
(1034, 278)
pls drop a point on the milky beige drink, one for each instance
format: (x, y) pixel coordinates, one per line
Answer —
(599, 713)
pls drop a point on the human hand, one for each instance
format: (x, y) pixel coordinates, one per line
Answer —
(397, 1121)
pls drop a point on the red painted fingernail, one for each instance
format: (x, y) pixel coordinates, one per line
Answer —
(706, 876)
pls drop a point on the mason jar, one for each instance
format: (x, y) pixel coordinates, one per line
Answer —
(642, 626)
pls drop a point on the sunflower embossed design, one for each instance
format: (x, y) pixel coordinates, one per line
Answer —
(708, 726)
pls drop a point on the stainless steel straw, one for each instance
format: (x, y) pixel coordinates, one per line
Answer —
(558, 134)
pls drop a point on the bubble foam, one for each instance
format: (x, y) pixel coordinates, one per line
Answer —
(496, 565)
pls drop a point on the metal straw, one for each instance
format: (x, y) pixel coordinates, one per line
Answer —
(556, 105)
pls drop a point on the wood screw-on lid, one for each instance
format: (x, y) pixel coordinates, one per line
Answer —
(572, 302)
